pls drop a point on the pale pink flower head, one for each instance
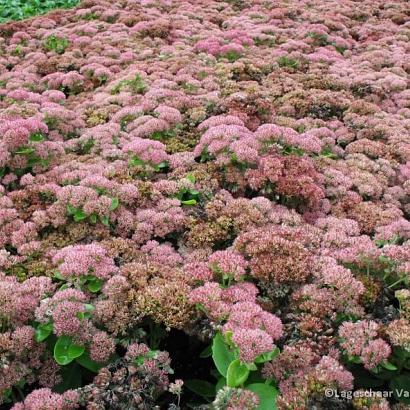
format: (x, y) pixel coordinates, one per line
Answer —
(209, 298)
(228, 263)
(83, 260)
(148, 151)
(102, 347)
(252, 343)
(360, 339)
(376, 352)
(330, 372)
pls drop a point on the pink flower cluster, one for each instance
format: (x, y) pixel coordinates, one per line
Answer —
(45, 399)
(24, 146)
(83, 260)
(232, 41)
(360, 339)
(253, 329)
(146, 150)
(69, 311)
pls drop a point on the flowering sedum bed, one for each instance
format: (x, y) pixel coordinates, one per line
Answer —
(205, 204)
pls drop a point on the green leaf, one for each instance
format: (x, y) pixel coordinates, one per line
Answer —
(189, 202)
(207, 352)
(80, 315)
(94, 284)
(354, 359)
(36, 138)
(75, 351)
(65, 351)
(93, 218)
(43, 331)
(71, 375)
(400, 386)
(221, 355)
(266, 357)
(389, 366)
(88, 363)
(105, 220)
(401, 353)
(114, 204)
(267, 395)
(25, 151)
(228, 338)
(135, 161)
(162, 165)
(71, 210)
(58, 275)
(152, 354)
(251, 366)
(221, 383)
(79, 215)
(89, 307)
(201, 388)
(7, 396)
(190, 178)
(236, 374)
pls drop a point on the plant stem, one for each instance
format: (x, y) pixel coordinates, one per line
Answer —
(397, 282)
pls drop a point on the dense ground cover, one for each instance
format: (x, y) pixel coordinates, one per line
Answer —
(22, 9)
(205, 204)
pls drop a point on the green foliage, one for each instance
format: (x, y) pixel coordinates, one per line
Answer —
(221, 355)
(232, 372)
(188, 196)
(291, 150)
(267, 395)
(94, 284)
(384, 270)
(189, 88)
(135, 161)
(65, 350)
(22, 9)
(394, 372)
(78, 215)
(86, 282)
(236, 374)
(205, 156)
(270, 41)
(231, 56)
(84, 147)
(268, 356)
(289, 62)
(202, 388)
(136, 86)
(85, 361)
(320, 40)
(56, 44)
(32, 159)
(327, 153)
(162, 135)
(43, 331)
